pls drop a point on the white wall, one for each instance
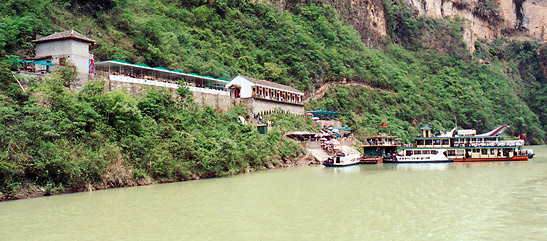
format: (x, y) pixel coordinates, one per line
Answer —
(246, 86)
(76, 51)
(57, 47)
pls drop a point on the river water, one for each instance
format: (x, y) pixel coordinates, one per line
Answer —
(454, 201)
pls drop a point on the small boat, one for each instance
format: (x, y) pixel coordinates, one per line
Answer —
(420, 156)
(344, 157)
(529, 152)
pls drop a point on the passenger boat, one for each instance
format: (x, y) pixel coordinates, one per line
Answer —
(379, 148)
(344, 157)
(467, 146)
(419, 156)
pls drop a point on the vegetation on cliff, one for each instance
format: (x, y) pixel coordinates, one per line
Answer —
(61, 140)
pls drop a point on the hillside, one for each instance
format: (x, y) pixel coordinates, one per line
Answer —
(422, 73)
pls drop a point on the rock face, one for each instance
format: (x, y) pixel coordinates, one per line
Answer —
(486, 19)
(366, 16)
(490, 19)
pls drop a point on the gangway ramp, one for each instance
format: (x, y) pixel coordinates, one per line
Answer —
(319, 154)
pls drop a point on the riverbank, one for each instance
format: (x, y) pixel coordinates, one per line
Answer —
(56, 140)
(32, 190)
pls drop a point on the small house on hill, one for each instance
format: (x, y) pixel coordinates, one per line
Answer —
(60, 48)
(262, 95)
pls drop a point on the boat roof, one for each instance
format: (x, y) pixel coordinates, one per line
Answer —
(378, 146)
(388, 137)
(459, 148)
(459, 137)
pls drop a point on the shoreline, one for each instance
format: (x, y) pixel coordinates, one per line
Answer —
(30, 190)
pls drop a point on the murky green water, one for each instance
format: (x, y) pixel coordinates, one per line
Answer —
(495, 201)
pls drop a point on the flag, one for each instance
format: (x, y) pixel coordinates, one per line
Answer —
(384, 125)
(92, 66)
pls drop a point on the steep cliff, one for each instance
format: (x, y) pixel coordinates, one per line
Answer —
(485, 19)
(366, 16)
(491, 19)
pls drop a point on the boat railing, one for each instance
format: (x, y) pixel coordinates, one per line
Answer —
(490, 143)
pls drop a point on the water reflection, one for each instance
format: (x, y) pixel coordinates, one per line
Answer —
(427, 201)
(347, 169)
(419, 166)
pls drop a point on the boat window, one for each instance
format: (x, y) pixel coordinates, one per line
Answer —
(426, 152)
(417, 152)
(491, 151)
(420, 142)
(484, 151)
(445, 142)
(434, 152)
(408, 153)
(475, 150)
(428, 142)
(436, 142)
(451, 152)
(460, 152)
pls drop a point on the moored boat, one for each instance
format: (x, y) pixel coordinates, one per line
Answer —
(379, 148)
(420, 156)
(344, 157)
(467, 146)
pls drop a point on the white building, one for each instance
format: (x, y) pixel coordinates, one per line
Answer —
(262, 95)
(61, 48)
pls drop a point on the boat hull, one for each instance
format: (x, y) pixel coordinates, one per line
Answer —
(515, 158)
(329, 164)
(417, 161)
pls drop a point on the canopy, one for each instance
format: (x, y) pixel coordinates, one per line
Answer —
(322, 112)
(160, 72)
(32, 61)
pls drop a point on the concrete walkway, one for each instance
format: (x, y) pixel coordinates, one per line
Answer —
(318, 154)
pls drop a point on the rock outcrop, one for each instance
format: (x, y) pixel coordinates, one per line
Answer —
(486, 19)
(366, 16)
(491, 19)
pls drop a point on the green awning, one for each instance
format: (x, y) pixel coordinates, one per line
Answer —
(120, 61)
(142, 65)
(43, 63)
(322, 112)
(32, 61)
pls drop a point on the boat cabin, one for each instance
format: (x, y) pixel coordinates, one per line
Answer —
(380, 146)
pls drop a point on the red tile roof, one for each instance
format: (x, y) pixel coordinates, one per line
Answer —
(65, 35)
